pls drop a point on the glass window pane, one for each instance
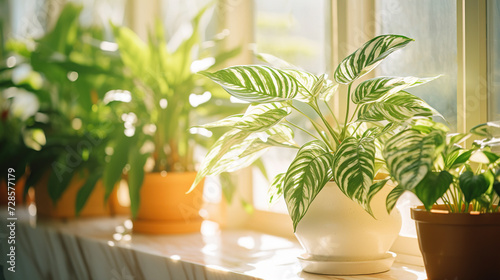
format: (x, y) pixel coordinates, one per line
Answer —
(433, 26)
(292, 30)
(493, 26)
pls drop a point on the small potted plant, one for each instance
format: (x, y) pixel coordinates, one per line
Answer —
(65, 140)
(331, 186)
(155, 146)
(459, 236)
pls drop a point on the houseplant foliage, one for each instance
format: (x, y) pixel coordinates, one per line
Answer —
(457, 235)
(70, 74)
(429, 162)
(156, 135)
(346, 150)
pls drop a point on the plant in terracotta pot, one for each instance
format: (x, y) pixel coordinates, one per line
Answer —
(69, 74)
(155, 147)
(331, 187)
(458, 235)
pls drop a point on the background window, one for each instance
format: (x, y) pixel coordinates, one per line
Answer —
(434, 52)
(295, 31)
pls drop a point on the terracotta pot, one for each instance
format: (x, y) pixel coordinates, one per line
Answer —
(458, 246)
(18, 190)
(65, 207)
(165, 207)
(341, 238)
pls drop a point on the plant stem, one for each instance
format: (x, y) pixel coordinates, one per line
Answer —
(331, 112)
(354, 114)
(347, 111)
(315, 125)
(328, 126)
(298, 127)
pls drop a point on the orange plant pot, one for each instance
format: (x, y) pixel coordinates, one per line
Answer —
(65, 207)
(18, 191)
(165, 208)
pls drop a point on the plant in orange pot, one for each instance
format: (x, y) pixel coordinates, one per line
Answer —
(458, 235)
(63, 143)
(156, 146)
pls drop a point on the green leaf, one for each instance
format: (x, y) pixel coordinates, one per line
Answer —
(60, 177)
(135, 179)
(409, 157)
(84, 192)
(306, 176)
(256, 83)
(374, 89)
(134, 52)
(262, 117)
(492, 157)
(496, 187)
(114, 168)
(353, 168)
(398, 107)
(312, 87)
(211, 164)
(432, 187)
(393, 197)
(472, 186)
(489, 129)
(457, 158)
(276, 188)
(368, 56)
(228, 187)
(373, 190)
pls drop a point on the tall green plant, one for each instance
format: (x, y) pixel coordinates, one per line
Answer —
(158, 118)
(345, 150)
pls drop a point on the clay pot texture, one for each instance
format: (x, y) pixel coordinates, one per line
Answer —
(164, 205)
(458, 246)
(65, 207)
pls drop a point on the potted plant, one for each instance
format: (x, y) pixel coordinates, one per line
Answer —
(155, 147)
(331, 186)
(66, 138)
(459, 236)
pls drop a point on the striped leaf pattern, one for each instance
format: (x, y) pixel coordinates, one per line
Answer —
(374, 89)
(306, 176)
(276, 188)
(409, 156)
(307, 83)
(256, 83)
(397, 107)
(354, 166)
(393, 197)
(262, 117)
(237, 149)
(368, 57)
(217, 151)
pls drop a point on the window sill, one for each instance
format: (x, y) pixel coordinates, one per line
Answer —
(103, 248)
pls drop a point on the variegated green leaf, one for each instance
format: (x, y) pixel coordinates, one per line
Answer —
(374, 89)
(262, 117)
(409, 157)
(374, 189)
(305, 178)
(393, 197)
(217, 151)
(354, 166)
(307, 82)
(238, 149)
(489, 129)
(256, 83)
(328, 91)
(225, 122)
(368, 56)
(276, 188)
(397, 107)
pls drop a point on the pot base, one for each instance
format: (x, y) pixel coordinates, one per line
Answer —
(333, 267)
(167, 227)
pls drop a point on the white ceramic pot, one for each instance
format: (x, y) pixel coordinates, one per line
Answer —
(341, 238)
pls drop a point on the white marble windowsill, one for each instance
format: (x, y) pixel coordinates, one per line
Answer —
(105, 248)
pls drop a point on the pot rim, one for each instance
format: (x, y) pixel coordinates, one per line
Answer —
(439, 215)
